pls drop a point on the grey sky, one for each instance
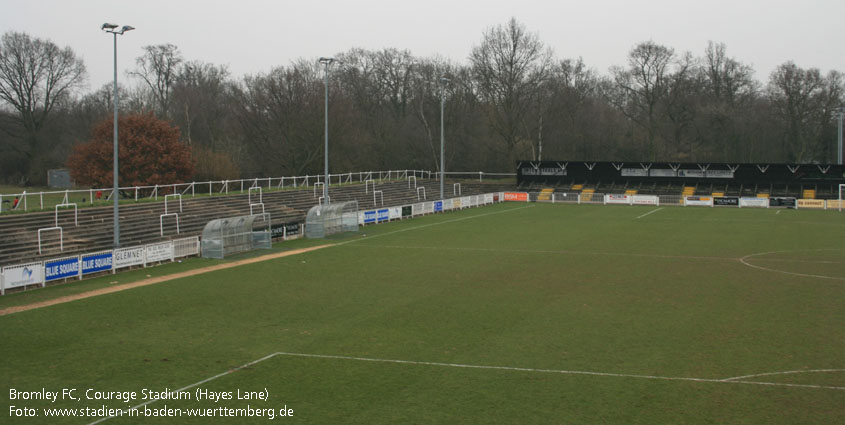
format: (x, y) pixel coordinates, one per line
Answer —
(251, 36)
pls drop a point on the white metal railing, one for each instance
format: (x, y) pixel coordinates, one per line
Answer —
(260, 195)
(61, 237)
(75, 213)
(174, 195)
(161, 222)
(256, 205)
(224, 186)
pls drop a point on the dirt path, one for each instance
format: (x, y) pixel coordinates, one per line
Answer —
(153, 280)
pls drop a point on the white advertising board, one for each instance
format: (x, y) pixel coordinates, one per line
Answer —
(662, 172)
(698, 174)
(754, 202)
(22, 275)
(126, 257)
(617, 199)
(159, 251)
(720, 174)
(645, 200)
(395, 213)
(699, 201)
(634, 172)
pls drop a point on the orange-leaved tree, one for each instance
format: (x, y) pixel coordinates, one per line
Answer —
(149, 153)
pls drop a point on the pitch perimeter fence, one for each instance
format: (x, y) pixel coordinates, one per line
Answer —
(675, 200)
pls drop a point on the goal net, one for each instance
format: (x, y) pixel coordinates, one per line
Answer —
(326, 220)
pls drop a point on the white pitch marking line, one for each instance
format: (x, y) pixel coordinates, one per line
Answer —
(742, 260)
(789, 372)
(566, 372)
(230, 371)
(539, 251)
(650, 212)
(434, 224)
(735, 380)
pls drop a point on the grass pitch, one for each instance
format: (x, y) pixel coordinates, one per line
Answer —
(516, 313)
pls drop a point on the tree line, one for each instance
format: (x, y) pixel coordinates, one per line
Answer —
(512, 99)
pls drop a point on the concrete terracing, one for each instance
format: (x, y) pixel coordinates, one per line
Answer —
(139, 222)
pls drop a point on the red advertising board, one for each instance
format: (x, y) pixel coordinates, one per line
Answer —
(516, 196)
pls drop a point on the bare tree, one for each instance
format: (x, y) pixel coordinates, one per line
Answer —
(508, 67)
(200, 102)
(640, 88)
(158, 68)
(281, 117)
(728, 94)
(800, 98)
(35, 76)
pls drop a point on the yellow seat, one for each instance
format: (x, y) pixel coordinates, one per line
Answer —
(545, 195)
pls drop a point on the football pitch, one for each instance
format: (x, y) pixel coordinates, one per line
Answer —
(515, 313)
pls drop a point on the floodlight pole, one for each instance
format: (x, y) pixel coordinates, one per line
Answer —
(443, 81)
(326, 62)
(110, 28)
(839, 113)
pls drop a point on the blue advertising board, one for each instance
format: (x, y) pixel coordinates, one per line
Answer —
(438, 206)
(61, 269)
(369, 217)
(383, 214)
(96, 263)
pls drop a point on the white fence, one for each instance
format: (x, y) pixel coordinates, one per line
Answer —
(76, 266)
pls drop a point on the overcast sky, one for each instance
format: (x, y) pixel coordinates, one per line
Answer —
(252, 36)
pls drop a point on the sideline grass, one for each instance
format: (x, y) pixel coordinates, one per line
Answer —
(544, 286)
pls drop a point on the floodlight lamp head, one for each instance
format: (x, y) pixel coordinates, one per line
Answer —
(108, 26)
(326, 60)
(126, 28)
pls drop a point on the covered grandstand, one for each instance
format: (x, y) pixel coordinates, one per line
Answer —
(809, 181)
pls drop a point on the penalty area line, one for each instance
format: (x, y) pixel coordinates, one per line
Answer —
(733, 380)
(188, 387)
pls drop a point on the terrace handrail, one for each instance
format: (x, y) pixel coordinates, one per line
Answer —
(226, 185)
